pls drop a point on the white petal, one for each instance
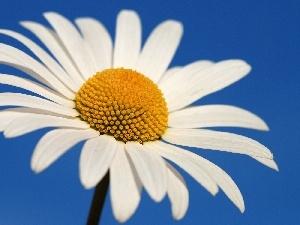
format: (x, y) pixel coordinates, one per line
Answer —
(225, 182)
(216, 140)
(73, 42)
(48, 37)
(10, 114)
(207, 81)
(35, 88)
(31, 122)
(177, 192)
(218, 176)
(168, 74)
(10, 55)
(55, 143)
(17, 99)
(186, 160)
(98, 39)
(6, 117)
(12, 62)
(151, 169)
(159, 49)
(125, 186)
(172, 88)
(267, 162)
(128, 40)
(51, 64)
(215, 116)
(95, 159)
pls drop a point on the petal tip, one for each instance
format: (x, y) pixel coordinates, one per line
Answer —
(177, 25)
(86, 183)
(128, 11)
(7, 134)
(122, 218)
(35, 168)
(248, 66)
(157, 196)
(242, 209)
(262, 125)
(241, 64)
(49, 15)
(275, 166)
(265, 127)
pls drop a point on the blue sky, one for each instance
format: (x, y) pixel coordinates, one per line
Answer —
(264, 33)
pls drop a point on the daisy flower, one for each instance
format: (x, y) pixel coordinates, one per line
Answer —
(130, 109)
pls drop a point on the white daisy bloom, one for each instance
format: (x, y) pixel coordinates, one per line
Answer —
(131, 110)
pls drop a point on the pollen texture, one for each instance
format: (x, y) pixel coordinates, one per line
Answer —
(124, 104)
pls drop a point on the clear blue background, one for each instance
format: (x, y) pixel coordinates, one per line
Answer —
(264, 33)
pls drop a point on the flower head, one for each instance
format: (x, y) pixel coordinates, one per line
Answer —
(131, 110)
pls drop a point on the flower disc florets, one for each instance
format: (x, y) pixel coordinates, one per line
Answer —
(123, 103)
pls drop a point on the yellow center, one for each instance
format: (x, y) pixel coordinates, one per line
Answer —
(123, 103)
